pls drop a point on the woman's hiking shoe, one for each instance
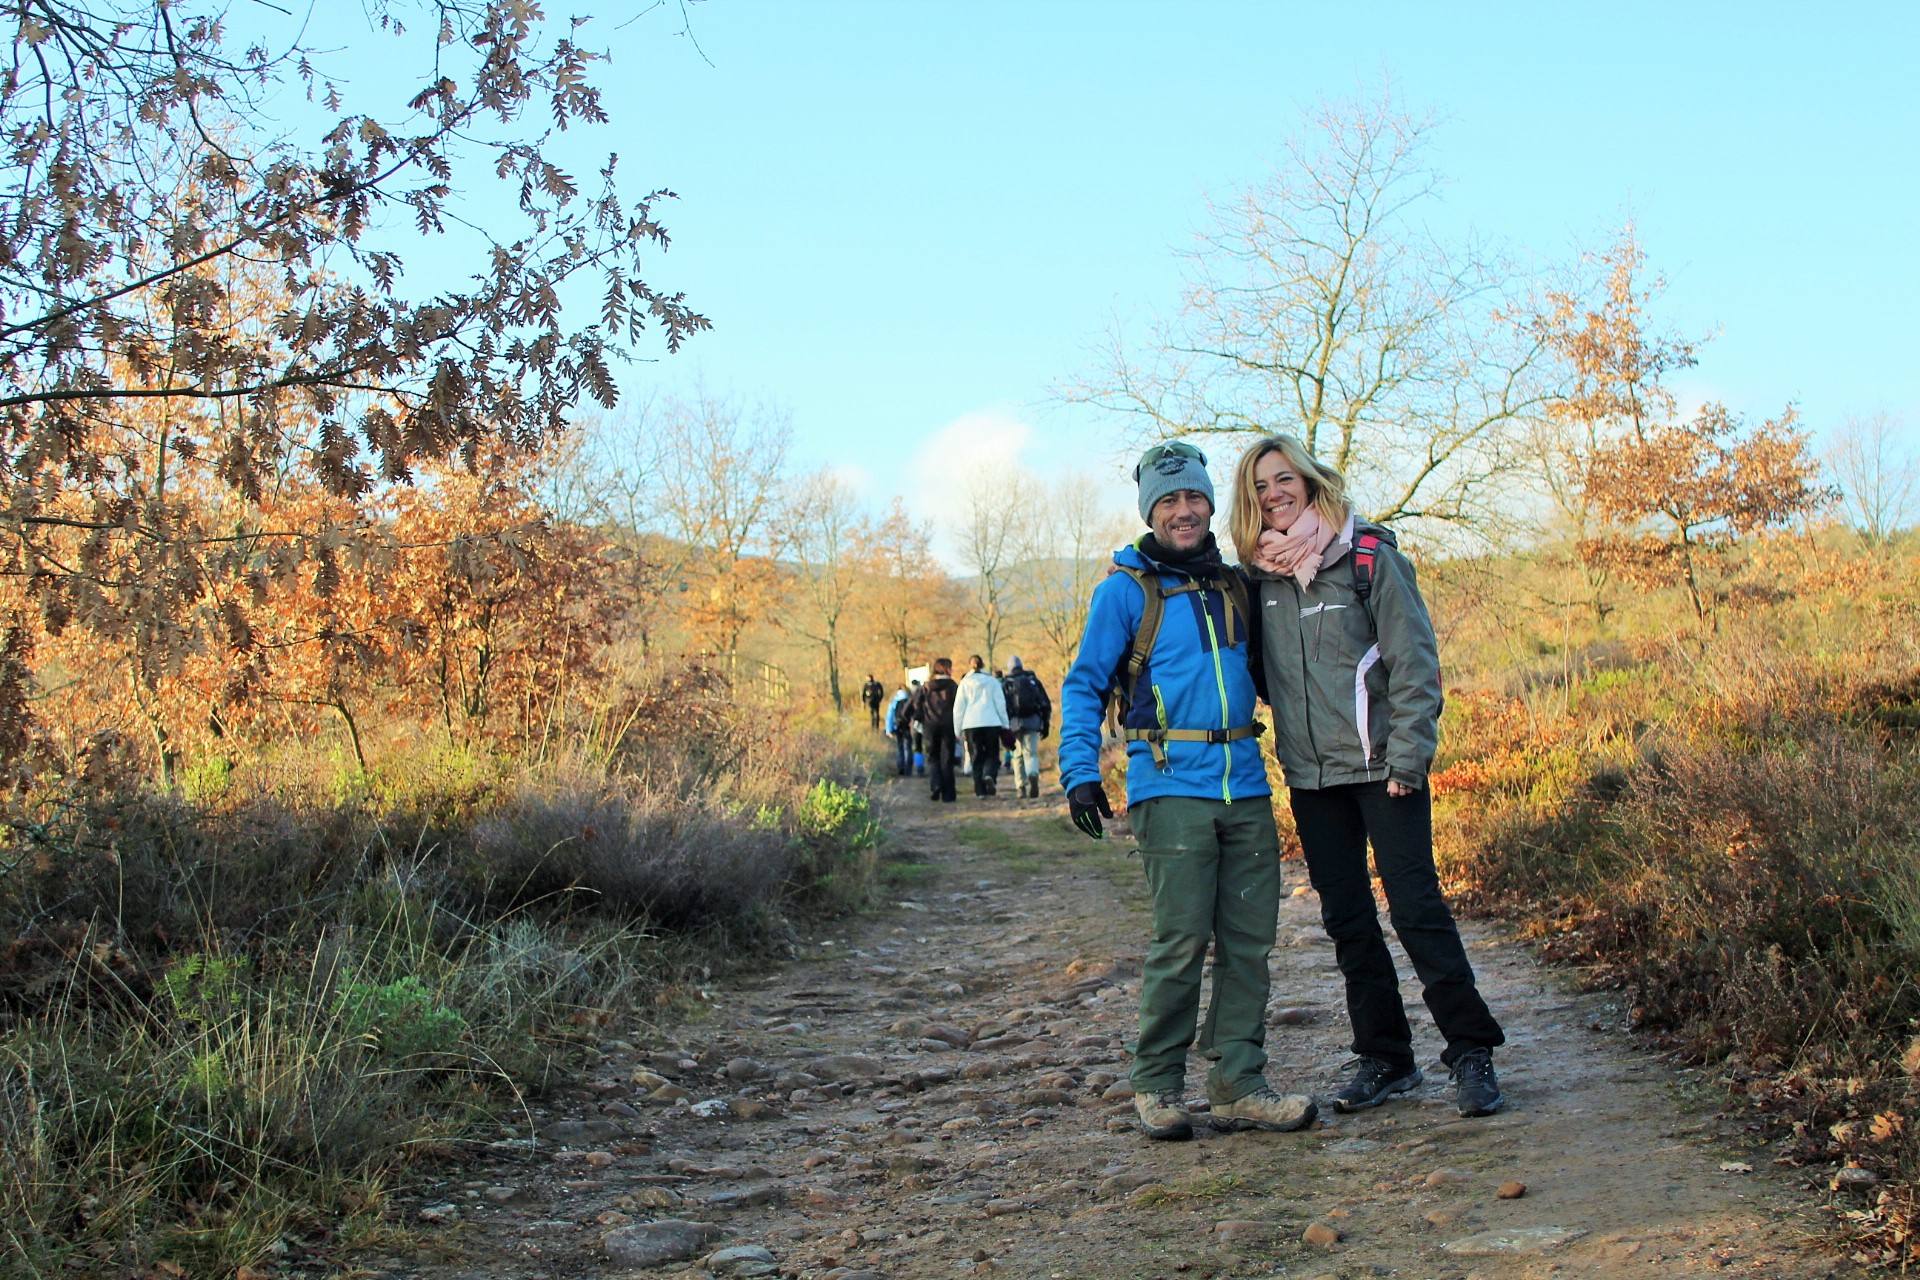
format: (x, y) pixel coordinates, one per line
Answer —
(1476, 1088)
(1163, 1116)
(1264, 1109)
(1375, 1082)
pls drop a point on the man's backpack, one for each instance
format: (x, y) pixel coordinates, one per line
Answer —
(1026, 696)
(1234, 591)
(1228, 584)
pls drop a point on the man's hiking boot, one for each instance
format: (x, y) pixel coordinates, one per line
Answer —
(1163, 1116)
(1476, 1089)
(1375, 1082)
(1033, 787)
(1264, 1109)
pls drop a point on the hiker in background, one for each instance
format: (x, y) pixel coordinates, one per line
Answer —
(932, 705)
(980, 711)
(900, 727)
(1172, 623)
(1349, 664)
(873, 693)
(1029, 712)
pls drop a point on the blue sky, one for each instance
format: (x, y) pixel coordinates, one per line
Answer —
(911, 222)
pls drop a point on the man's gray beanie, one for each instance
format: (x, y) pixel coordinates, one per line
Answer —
(1167, 474)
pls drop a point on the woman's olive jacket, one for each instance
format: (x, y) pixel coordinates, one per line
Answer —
(1354, 684)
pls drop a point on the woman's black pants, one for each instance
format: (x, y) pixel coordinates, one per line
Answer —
(1336, 824)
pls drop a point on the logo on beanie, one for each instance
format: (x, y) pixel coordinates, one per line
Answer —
(1170, 465)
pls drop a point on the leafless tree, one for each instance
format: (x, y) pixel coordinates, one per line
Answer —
(1082, 532)
(1877, 474)
(1316, 305)
(824, 524)
(997, 534)
(723, 469)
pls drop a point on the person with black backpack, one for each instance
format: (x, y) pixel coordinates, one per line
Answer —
(1346, 657)
(1029, 713)
(932, 706)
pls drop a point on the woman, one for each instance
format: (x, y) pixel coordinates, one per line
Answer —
(1348, 662)
(980, 713)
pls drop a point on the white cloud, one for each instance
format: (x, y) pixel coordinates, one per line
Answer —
(858, 479)
(975, 447)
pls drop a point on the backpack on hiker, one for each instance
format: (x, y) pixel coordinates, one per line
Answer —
(1026, 696)
(1233, 590)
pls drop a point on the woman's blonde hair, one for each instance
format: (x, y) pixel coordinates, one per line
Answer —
(1326, 490)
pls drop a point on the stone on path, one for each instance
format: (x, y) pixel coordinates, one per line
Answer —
(654, 1244)
(1321, 1235)
(1446, 1178)
(1511, 1241)
(1512, 1190)
(582, 1133)
(741, 1260)
(837, 1067)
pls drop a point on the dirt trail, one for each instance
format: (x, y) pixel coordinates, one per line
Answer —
(938, 1090)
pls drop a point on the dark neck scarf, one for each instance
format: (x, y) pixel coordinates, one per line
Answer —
(1205, 556)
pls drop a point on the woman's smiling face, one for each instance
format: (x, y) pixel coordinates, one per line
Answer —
(1279, 489)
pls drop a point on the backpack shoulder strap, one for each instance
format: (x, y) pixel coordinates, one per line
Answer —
(1366, 549)
(1366, 554)
(1151, 610)
(1234, 588)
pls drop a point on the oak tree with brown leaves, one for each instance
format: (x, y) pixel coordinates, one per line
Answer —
(145, 189)
(1654, 494)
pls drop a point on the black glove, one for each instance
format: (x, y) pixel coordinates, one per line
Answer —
(1088, 804)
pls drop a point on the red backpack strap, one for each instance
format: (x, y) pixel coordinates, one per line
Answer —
(1365, 548)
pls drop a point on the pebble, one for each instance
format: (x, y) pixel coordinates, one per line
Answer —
(504, 1194)
(1511, 1190)
(437, 1214)
(1443, 1218)
(745, 1197)
(597, 1159)
(1120, 1184)
(653, 1244)
(1446, 1178)
(1321, 1235)
(745, 1069)
(1290, 1017)
(1855, 1179)
(1239, 1231)
(668, 1093)
(840, 1067)
(712, 1109)
(581, 1133)
(741, 1260)
(1118, 1091)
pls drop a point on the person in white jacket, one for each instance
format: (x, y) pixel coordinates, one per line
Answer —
(980, 714)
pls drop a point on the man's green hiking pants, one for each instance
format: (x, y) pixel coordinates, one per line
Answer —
(1214, 869)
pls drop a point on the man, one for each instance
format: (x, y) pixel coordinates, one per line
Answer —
(871, 693)
(1168, 632)
(932, 706)
(901, 728)
(1029, 712)
(980, 712)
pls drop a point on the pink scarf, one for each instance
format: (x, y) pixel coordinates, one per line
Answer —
(1296, 551)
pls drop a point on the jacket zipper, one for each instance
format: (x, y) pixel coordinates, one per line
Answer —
(1220, 680)
(1306, 702)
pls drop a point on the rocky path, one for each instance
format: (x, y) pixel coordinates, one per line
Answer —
(939, 1089)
